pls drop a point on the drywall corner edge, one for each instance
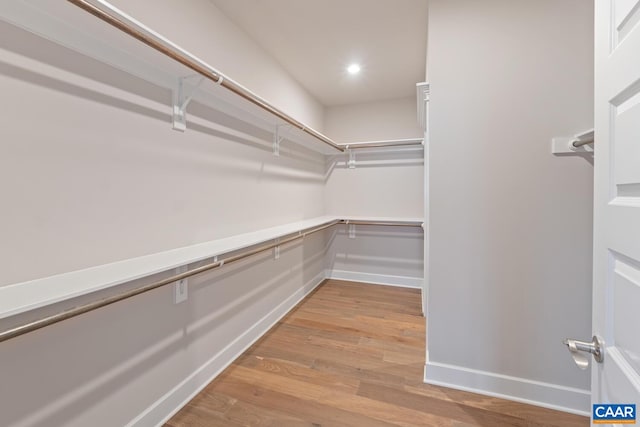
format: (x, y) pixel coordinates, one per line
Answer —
(547, 395)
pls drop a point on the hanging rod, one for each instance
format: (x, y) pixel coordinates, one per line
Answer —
(584, 138)
(128, 25)
(384, 143)
(581, 143)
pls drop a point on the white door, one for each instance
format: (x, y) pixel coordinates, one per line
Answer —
(616, 286)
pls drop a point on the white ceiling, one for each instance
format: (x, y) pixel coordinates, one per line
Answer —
(316, 40)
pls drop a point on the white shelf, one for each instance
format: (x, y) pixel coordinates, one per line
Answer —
(386, 143)
(27, 296)
(408, 221)
(21, 297)
(63, 23)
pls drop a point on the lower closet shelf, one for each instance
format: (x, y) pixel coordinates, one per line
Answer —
(28, 296)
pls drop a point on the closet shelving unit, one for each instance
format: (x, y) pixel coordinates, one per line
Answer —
(122, 42)
(368, 146)
(388, 143)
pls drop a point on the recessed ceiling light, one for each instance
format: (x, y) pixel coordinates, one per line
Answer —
(353, 69)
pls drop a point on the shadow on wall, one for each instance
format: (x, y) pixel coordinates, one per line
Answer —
(378, 250)
(588, 157)
(376, 158)
(145, 346)
(210, 121)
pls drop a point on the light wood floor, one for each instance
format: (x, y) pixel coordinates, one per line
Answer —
(349, 355)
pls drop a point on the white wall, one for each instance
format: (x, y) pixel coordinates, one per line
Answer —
(373, 187)
(384, 183)
(390, 119)
(510, 224)
(387, 255)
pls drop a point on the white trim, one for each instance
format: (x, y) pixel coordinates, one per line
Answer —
(547, 395)
(376, 279)
(174, 400)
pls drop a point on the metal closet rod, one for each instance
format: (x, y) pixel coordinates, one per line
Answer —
(85, 308)
(581, 143)
(122, 23)
(387, 143)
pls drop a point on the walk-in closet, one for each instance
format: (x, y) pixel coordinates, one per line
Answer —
(285, 213)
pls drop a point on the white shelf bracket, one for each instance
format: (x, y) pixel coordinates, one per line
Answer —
(352, 158)
(352, 231)
(276, 250)
(278, 137)
(181, 287)
(182, 95)
(579, 144)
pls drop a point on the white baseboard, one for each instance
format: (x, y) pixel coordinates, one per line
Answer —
(552, 396)
(169, 404)
(377, 279)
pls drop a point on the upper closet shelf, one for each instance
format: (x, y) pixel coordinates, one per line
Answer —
(124, 43)
(409, 142)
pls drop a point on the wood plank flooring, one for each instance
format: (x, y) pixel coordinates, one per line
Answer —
(349, 355)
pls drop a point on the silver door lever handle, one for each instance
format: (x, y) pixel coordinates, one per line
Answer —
(594, 347)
